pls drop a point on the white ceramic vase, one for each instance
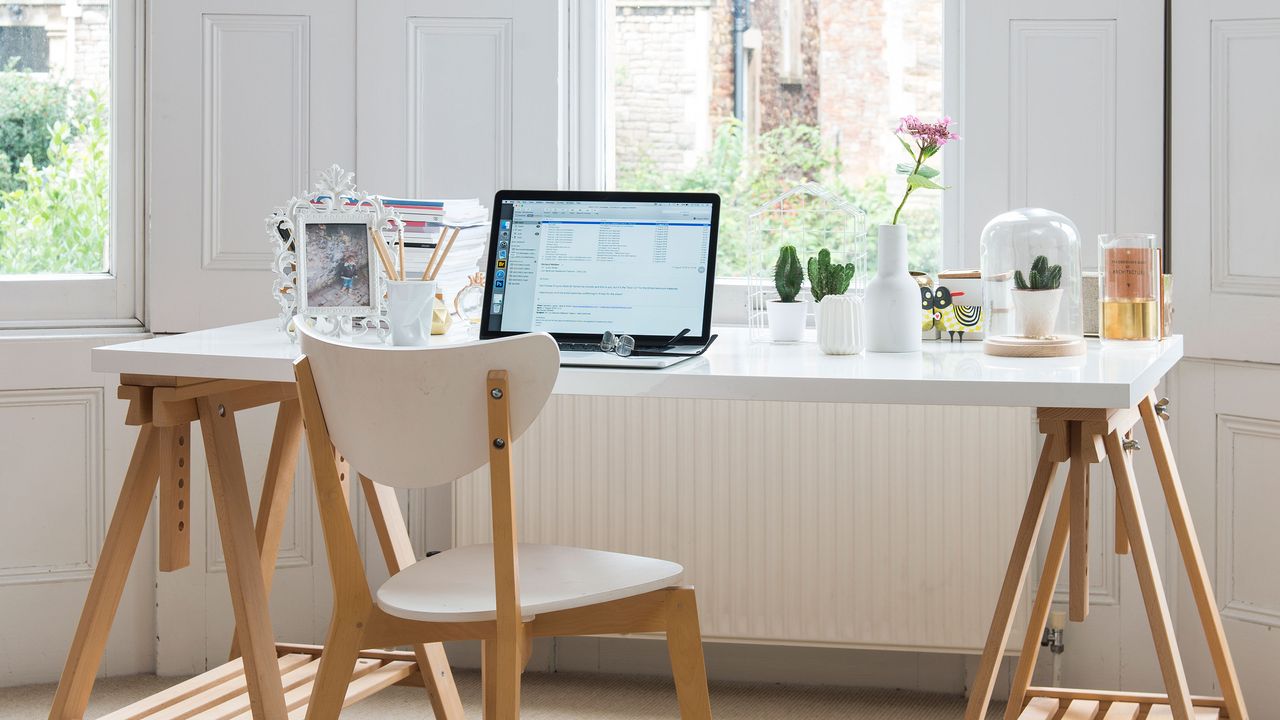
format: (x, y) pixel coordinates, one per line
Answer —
(1037, 312)
(786, 320)
(840, 325)
(891, 310)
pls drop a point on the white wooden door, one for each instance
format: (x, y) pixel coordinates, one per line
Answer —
(1063, 109)
(248, 101)
(1226, 264)
(459, 98)
(441, 98)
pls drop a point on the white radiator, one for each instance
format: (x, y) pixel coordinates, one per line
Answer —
(859, 526)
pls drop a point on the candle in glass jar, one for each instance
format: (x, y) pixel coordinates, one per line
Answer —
(1129, 265)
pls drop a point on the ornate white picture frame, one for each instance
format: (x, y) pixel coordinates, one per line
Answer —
(336, 201)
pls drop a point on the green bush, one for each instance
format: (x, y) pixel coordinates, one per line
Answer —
(58, 218)
(30, 105)
(778, 160)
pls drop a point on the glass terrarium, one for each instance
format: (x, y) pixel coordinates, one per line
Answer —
(1031, 285)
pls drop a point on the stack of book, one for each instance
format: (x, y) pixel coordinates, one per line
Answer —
(467, 255)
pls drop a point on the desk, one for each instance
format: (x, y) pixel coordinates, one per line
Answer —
(1087, 406)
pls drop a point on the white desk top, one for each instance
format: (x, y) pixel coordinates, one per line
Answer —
(735, 368)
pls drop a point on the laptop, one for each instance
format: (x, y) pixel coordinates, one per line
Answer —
(578, 265)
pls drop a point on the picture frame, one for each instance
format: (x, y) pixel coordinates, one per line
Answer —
(294, 228)
(337, 264)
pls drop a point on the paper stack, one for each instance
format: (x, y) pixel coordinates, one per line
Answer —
(468, 253)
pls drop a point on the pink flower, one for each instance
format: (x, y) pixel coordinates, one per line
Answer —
(928, 135)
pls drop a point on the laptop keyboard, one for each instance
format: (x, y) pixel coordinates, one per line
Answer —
(579, 346)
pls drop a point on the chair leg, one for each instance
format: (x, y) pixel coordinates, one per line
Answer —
(337, 662)
(499, 682)
(684, 646)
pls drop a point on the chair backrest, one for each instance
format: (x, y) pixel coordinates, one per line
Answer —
(417, 417)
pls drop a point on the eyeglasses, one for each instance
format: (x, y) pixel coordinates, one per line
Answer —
(624, 345)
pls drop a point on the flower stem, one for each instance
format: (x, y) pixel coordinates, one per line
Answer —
(907, 194)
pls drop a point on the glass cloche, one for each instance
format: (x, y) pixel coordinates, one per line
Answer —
(1031, 285)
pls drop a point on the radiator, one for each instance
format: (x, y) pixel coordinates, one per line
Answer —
(884, 526)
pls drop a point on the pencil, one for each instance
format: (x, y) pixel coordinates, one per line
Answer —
(400, 238)
(440, 263)
(381, 248)
(426, 272)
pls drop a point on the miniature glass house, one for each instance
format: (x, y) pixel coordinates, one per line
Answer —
(811, 218)
(1027, 299)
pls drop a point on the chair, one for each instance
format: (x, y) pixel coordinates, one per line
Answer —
(420, 417)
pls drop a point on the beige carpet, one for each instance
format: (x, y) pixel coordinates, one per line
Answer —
(567, 696)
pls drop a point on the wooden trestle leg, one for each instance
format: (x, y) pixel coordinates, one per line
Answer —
(1088, 436)
(109, 577)
(239, 544)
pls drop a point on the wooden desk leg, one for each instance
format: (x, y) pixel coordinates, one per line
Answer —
(1078, 498)
(174, 547)
(132, 508)
(1015, 577)
(398, 552)
(1135, 522)
(240, 546)
(1040, 611)
(1193, 559)
(277, 486)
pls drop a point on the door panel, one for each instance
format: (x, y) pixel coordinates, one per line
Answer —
(250, 102)
(1063, 110)
(459, 98)
(65, 449)
(1226, 254)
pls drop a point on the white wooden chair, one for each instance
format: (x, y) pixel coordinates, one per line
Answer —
(419, 417)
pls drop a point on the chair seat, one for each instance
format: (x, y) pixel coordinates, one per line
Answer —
(458, 586)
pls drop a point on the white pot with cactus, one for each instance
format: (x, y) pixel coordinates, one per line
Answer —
(1036, 299)
(787, 314)
(839, 315)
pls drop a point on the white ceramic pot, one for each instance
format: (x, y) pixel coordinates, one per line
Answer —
(891, 309)
(840, 325)
(1037, 311)
(410, 303)
(786, 320)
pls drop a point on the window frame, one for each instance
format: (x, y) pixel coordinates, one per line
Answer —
(589, 146)
(113, 299)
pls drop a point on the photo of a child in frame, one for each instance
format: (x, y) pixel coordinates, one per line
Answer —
(338, 271)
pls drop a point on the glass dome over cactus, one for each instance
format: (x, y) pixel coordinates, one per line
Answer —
(1031, 277)
(809, 218)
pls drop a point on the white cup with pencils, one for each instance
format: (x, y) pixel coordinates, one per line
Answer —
(410, 303)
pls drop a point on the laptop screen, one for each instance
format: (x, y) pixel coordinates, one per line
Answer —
(578, 264)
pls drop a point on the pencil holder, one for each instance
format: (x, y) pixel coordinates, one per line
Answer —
(410, 309)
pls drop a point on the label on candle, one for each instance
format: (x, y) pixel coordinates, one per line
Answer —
(1130, 273)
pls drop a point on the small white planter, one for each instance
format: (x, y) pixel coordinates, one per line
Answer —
(1037, 312)
(786, 320)
(840, 325)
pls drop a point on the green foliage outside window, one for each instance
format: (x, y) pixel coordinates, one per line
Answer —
(54, 211)
(746, 177)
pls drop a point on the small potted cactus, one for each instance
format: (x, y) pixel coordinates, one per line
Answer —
(839, 315)
(1036, 298)
(787, 314)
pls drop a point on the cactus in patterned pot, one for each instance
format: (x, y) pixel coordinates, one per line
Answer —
(826, 278)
